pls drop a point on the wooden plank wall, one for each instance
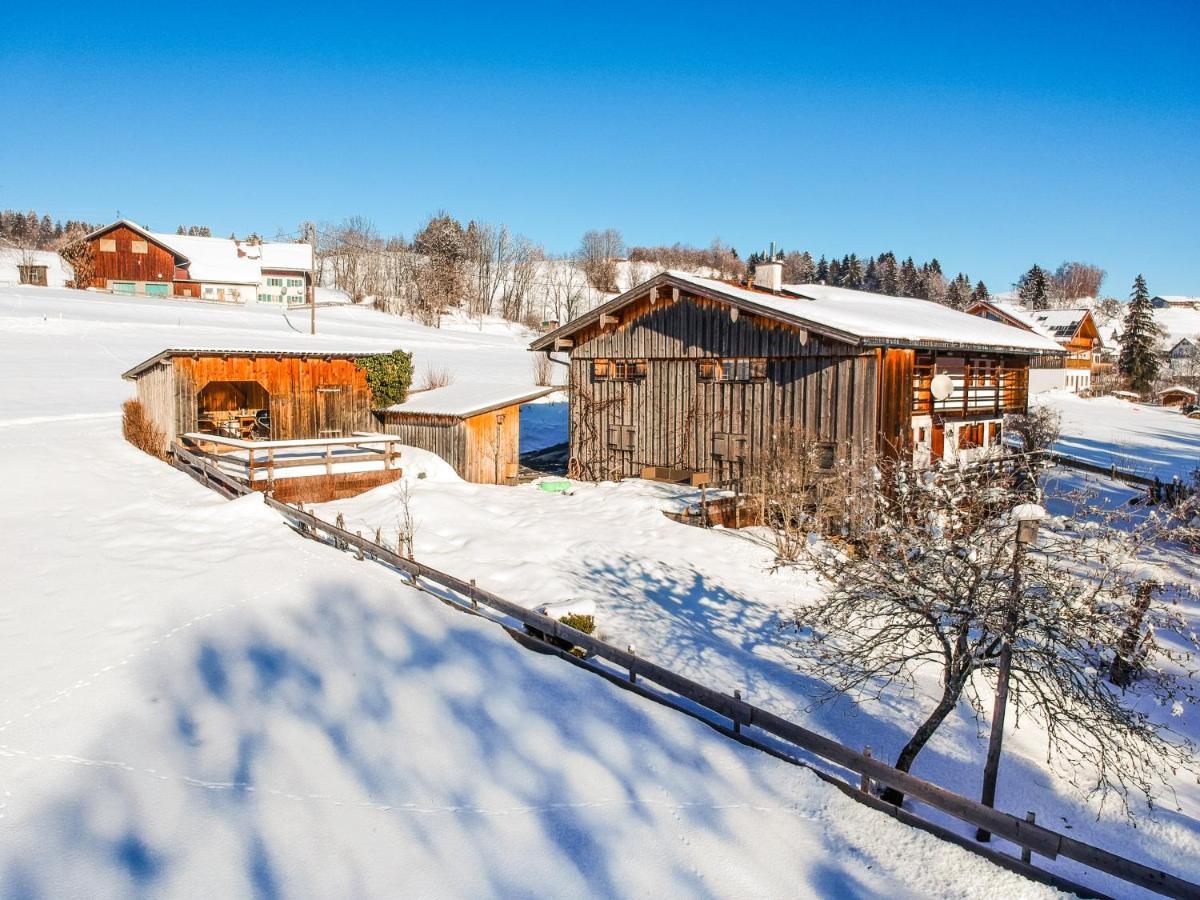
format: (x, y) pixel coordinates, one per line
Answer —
(444, 435)
(895, 400)
(156, 391)
(492, 448)
(823, 388)
(309, 395)
(156, 264)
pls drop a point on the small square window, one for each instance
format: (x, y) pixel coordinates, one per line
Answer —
(108, 245)
(138, 247)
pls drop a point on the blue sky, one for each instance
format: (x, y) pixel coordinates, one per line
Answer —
(988, 136)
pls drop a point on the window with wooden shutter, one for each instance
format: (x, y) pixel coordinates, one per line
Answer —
(743, 369)
(600, 369)
(621, 437)
(139, 247)
(728, 446)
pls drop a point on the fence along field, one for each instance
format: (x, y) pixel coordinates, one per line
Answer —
(1026, 834)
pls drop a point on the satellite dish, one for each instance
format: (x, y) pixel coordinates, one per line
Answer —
(941, 386)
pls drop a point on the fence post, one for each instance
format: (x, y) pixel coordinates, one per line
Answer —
(632, 674)
(864, 783)
(1026, 853)
(737, 726)
(360, 556)
(474, 602)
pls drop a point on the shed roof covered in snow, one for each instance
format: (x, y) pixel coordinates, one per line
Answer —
(856, 317)
(312, 353)
(1177, 389)
(461, 401)
(58, 273)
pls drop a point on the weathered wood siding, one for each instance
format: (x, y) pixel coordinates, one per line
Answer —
(822, 388)
(480, 449)
(156, 392)
(310, 396)
(444, 435)
(156, 264)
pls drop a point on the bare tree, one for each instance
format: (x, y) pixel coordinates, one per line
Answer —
(1073, 281)
(598, 253)
(566, 288)
(929, 583)
(543, 370)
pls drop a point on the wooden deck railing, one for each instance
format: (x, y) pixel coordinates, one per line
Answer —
(1025, 834)
(263, 458)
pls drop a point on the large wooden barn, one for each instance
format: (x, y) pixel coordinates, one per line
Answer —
(254, 394)
(129, 259)
(701, 375)
(474, 427)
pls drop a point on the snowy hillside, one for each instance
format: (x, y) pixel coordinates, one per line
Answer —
(199, 703)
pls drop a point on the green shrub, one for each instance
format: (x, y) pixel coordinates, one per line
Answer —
(389, 376)
(586, 624)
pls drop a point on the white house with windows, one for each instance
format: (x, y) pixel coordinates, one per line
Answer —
(129, 259)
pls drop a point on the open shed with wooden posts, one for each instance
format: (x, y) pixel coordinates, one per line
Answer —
(473, 427)
(254, 394)
(1176, 395)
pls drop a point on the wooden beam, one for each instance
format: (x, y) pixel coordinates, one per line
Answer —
(563, 343)
(607, 320)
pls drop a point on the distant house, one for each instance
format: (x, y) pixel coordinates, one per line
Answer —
(474, 427)
(1073, 329)
(1184, 357)
(131, 260)
(1175, 302)
(43, 268)
(699, 375)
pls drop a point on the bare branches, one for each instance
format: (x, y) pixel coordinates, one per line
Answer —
(925, 579)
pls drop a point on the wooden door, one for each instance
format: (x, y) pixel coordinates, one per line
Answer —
(939, 440)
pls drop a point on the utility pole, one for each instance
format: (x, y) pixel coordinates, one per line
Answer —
(1026, 517)
(311, 229)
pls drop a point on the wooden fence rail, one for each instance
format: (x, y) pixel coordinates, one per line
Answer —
(1026, 834)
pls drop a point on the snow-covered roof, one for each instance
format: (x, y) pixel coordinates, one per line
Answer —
(1177, 389)
(1176, 299)
(462, 401)
(224, 260)
(1056, 324)
(58, 273)
(295, 352)
(856, 317)
(1177, 323)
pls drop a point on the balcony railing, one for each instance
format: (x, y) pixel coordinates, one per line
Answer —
(980, 386)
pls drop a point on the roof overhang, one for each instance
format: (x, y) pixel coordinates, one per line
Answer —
(470, 412)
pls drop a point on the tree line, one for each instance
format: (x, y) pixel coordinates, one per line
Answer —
(30, 231)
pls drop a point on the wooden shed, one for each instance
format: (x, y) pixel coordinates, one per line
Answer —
(1176, 395)
(254, 394)
(474, 427)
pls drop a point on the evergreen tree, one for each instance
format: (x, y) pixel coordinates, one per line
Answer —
(980, 293)
(1139, 361)
(822, 273)
(909, 278)
(1033, 290)
(871, 279)
(958, 294)
(852, 273)
(835, 273)
(889, 281)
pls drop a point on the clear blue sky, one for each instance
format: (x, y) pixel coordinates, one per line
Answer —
(989, 135)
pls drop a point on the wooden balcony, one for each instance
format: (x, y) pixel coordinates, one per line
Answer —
(982, 386)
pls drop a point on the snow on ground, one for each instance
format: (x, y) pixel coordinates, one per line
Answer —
(199, 703)
(1136, 437)
(706, 604)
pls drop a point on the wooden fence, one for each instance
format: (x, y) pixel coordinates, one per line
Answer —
(741, 714)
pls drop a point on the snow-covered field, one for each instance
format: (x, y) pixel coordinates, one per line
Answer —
(199, 703)
(1138, 438)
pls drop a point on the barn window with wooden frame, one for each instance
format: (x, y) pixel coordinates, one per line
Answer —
(748, 369)
(618, 369)
(139, 247)
(108, 245)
